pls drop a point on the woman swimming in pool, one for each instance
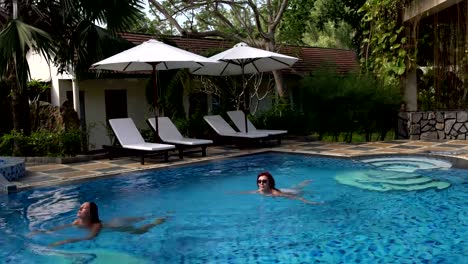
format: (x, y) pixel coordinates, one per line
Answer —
(88, 217)
(266, 186)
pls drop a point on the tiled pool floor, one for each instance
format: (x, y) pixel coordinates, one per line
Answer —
(50, 174)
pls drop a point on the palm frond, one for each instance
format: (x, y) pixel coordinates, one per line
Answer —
(96, 44)
(16, 39)
(117, 15)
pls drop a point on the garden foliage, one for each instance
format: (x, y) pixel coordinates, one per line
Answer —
(42, 143)
(335, 105)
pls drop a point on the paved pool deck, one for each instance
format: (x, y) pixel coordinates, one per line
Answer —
(53, 174)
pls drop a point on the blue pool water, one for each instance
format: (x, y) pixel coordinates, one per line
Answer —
(211, 220)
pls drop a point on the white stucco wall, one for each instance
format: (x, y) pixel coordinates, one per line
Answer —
(40, 69)
(95, 109)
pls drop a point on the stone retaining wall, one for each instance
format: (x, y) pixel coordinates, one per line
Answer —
(434, 125)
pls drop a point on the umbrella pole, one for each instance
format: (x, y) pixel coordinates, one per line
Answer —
(246, 99)
(155, 95)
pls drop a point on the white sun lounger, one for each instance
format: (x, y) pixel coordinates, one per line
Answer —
(222, 128)
(169, 133)
(238, 118)
(130, 139)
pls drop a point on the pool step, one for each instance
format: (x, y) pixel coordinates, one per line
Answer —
(383, 181)
(6, 186)
(407, 164)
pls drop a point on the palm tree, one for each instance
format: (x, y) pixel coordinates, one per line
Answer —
(64, 31)
(16, 39)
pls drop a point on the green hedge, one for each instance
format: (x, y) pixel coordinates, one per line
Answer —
(335, 105)
(42, 143)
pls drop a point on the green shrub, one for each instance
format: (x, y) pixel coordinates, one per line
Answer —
(42, 143)
(7, 142)
(282, 116)
(70, 142)
(345, 104)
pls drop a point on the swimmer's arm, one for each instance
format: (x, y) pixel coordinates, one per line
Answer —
(243, 192)
(92, 234)
(303, 184)
(299, 198)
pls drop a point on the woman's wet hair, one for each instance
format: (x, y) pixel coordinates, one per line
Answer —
(94, 213)
(271, 181)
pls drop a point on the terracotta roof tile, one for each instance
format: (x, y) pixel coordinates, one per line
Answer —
(310, 58)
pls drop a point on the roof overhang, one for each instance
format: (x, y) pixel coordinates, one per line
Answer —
(424, 8)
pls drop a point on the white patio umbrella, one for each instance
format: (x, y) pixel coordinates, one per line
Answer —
(242, 59)
(152, 55)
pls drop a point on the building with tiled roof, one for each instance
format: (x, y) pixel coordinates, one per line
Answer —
(310, 58)
(123, 95)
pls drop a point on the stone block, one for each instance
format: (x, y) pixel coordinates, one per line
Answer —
(449, 115)
(415, 117)
(432, 122)
(414, 137)
(441, 134)
(431, 115)
(440, 117)
(415, 129)
(439, 126)
(426, 128)
(461, 136)
(457, 126)
(463, 129)
(429, 135)
(403, 115)
(462, 116)
(448, 125)
(424, 123)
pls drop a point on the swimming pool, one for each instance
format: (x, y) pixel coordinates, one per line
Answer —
(211, 221)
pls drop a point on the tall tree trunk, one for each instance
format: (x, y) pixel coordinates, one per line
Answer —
(279, 82)
(21, 118)
(20, 110)
(278, 75)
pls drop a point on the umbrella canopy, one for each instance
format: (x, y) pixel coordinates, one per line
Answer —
(242, 59)
(152, 55)
(149, 53)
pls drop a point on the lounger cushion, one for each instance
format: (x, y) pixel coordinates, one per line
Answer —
(149, 146)
(224, 129)
(238, 118)
(271, 132)
(129, 137)
(169, 133)
(189, 141)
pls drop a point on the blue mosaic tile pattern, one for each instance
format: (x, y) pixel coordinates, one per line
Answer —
(12, 168)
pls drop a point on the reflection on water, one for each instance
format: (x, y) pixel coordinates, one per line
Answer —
(50, 205)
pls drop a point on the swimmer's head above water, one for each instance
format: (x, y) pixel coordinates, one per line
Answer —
(265, 182)
(89, 213)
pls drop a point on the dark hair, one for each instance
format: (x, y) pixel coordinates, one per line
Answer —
(271, 181)
(93, 213)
